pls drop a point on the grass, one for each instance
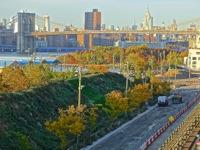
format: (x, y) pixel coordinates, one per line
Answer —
(22, 115)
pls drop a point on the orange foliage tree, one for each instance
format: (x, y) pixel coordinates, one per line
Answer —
(69, 122)
(159, 87)
(116, 104)
(97, 69)
(13, 79)
(138, 95)
(37, 74)
(68, 59)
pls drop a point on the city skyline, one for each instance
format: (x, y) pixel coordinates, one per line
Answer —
(125, 12)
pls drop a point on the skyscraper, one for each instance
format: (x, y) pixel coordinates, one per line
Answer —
(93, 20)
(148, 21)
(46, 26)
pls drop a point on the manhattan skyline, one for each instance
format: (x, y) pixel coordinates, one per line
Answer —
(114, 12)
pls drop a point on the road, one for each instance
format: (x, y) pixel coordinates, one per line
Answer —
(169, 131)
(132, 136)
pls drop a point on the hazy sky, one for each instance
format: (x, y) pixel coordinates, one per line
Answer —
(117, 12)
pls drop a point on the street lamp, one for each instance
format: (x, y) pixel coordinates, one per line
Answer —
(127, 74)
(130, 75)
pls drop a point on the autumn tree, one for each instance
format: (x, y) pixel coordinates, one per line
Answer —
(97, 69)
(116, 104)
(138, 62)
(38, 74)
(13, 79)
(138, 95)
(68, 59)
(159, 87)
(173, 58)
(69, 122)
(102, 55)
(136, 49)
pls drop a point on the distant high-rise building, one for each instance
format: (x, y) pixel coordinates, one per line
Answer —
(103, 27)
(148, 21)
(174, 26)
(46, 26)
(93, 20)
(3, 23)
(134, 27)
(112, 27)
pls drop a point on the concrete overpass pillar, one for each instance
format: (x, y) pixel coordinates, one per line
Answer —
(81, 39)
(90, 41)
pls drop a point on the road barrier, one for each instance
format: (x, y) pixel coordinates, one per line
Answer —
(181, 136)
(156, 135)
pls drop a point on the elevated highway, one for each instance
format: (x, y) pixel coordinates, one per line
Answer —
(178, 32)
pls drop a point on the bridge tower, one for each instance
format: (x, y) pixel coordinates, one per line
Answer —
(26, 25)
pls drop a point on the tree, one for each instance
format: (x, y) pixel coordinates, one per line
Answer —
(69, 122)
(91, 117)
(138, 61)
(138, 95)
(173, 58)
(38, 74)
(116, 104)
(13, 79)
(97, 69)
(68, 59)
(159, 87)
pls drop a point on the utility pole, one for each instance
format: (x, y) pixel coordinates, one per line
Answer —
(127, 75)
(161, 62)
(175, 68)
(151, 71)
(113, 61)
(79, 86)
(169, 66)
(189, 71)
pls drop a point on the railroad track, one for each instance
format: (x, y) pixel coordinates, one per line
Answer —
(184, 136)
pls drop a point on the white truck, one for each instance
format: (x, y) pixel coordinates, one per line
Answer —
(162, 101)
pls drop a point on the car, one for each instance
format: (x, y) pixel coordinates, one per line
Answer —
(162, 101)
(197, 145)
(177, 98)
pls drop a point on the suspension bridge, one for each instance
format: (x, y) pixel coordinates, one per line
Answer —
(29, 27)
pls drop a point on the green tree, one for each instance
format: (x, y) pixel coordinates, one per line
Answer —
(24, 143)
(91, 116)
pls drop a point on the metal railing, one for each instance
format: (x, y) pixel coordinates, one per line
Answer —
(179, 137)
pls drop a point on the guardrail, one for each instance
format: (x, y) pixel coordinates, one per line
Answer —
(155, 136)
(179, 137)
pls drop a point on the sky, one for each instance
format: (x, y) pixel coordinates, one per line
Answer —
(114, 12)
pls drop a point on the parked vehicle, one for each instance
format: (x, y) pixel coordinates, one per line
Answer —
(177, 99)
(162, 101)
(197, 145)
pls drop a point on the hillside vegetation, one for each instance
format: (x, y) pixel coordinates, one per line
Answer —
(23, 114)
